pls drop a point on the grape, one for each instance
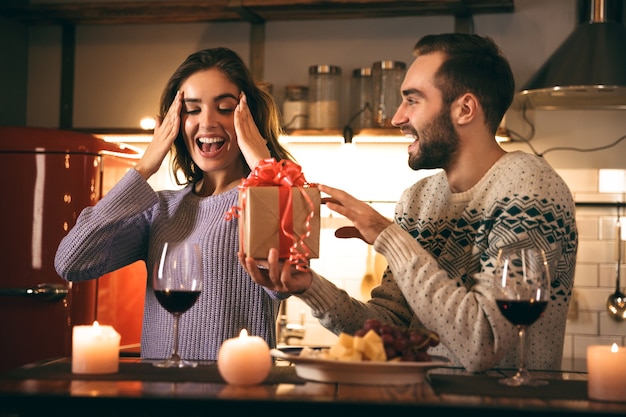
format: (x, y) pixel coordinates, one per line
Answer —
(371, 324)
(417, 338)
(386, 329)
(390, 352)
(405, 344)
(434, 339)
(408, 356)
(401, 344)
(360, 332)
(387, 339)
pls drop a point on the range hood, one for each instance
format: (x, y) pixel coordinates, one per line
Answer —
(588, 71)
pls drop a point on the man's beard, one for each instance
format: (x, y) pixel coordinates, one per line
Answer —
(438, 142)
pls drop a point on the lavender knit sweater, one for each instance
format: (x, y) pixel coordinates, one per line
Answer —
(131, 223)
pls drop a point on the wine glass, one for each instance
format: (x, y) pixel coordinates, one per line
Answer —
(177, 282)
(525, 291)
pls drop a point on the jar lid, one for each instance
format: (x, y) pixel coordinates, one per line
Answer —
(296, 88)
(362, 72)
(296, 92)
(387, 65)
(324, 69)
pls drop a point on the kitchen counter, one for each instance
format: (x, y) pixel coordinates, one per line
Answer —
(139, 389)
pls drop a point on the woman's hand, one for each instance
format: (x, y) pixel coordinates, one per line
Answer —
(276, 275)
(165, 132)
(253, 146)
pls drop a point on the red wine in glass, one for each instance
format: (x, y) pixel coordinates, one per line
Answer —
(521, 312)
(177, 301)
(177, 283)
(524, 284)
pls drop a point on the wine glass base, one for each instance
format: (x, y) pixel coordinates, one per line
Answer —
(522, 381)
(175, 363)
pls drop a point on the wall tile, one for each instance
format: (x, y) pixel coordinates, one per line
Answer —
(580, 180)
(587, 227)
(586, 323)
(608, 326)
(596, 251)
(594, 212)
(593, 299)
(586, 275)
(568, 346)
(581, 343)
(598, 197)
(608, 275)
(608, 229)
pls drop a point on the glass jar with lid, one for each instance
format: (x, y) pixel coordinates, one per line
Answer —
(296, 107)
(361, 108)
(324, 96)
(386, 82)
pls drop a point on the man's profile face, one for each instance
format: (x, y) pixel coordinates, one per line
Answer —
(422, 117)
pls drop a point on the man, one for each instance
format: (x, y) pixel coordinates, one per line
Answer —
(449, 227)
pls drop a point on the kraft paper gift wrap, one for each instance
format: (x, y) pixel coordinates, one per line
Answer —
(279, 209)
(260, 224)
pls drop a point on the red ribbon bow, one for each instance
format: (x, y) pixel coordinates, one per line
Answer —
(287, 174)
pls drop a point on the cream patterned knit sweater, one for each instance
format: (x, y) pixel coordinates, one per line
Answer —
(131, 223)
(441, 251)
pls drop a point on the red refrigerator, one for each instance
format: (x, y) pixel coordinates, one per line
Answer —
(47, 177)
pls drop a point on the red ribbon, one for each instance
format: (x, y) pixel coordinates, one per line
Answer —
(284, 174)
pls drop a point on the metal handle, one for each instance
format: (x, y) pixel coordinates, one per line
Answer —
(51, 292)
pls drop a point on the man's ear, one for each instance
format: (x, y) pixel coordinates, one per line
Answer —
(465, 109)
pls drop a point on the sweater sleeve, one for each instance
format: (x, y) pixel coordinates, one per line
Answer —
(111, 234)
(467, 320)
(339, 312)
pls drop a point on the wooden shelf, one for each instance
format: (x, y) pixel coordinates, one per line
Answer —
(391, 132)
(374, 131)
(254, 11)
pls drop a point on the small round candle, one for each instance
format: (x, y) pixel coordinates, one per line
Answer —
(244, 360)
(606, 367)
(95, 349)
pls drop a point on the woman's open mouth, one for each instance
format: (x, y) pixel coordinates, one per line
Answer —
(210, 145)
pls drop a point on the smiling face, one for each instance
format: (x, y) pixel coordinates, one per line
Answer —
(423, 116)
(207, 121)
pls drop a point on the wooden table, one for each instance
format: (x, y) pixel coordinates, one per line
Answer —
(139, 389)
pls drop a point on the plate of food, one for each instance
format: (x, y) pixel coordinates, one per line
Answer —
(314, 368)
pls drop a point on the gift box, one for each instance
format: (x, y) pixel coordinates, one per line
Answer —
(279, 217)
(278, 208)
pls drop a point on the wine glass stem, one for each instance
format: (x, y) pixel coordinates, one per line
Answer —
(175, 348)
(521, 369)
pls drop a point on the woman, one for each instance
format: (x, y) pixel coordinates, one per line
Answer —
(218, 124)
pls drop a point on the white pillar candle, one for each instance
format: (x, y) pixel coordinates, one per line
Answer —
(244, 360)
(606, 368)
(95, 349)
